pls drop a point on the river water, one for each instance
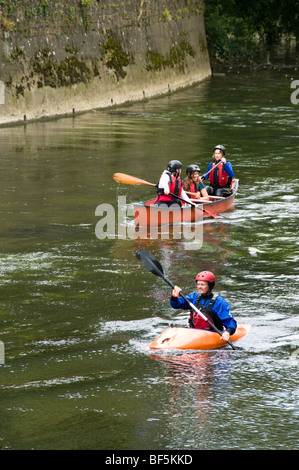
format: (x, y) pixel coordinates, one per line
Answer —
(77, 312)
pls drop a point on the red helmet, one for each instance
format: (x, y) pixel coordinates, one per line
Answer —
(205, 276)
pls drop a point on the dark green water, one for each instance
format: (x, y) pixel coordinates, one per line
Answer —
(77, 313)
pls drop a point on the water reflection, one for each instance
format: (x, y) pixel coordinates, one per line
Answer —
(200, 370)
(198, 385)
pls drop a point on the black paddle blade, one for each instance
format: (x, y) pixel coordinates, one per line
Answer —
(149, 262)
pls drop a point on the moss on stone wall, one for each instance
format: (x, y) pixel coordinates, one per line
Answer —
(60, 65)
(28, 15)
(49, 72)
(109, 45)
(113, 55)
(176, 56)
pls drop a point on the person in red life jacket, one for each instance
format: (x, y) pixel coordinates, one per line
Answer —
(193, 183)
(216, 309)
(170, 185)
(221, 177)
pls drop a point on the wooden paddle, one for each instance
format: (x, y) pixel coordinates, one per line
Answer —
(128, 179)
(153, 265)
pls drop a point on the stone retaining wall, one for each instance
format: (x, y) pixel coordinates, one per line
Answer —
(62, 57)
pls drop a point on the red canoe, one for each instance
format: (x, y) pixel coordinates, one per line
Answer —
(192, 338)
(146, 214)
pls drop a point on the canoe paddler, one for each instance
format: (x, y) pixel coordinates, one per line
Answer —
(170, 182)
(216, 309)
(221, 177)
(193, 182)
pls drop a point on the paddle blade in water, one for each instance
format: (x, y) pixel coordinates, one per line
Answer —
(149, 262)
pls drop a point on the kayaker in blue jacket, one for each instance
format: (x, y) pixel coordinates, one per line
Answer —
(221, 177)
(216, 309)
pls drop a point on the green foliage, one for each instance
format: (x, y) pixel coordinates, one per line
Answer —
(166, 15)
(84, 4)
(226, 34)
(232, 26)
(6, 24)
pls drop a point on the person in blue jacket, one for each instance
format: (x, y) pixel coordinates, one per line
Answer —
(216, 309)
(221, 176)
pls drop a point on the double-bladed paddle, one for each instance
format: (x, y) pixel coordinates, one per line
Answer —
(128, 179)
(153, 265)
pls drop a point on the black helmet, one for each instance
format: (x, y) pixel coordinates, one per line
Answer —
(173, 165)
(192, 168)
(220, 147)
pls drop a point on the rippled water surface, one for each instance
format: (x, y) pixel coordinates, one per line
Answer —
(77, 313)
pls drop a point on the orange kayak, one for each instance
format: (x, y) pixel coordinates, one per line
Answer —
(192, 338)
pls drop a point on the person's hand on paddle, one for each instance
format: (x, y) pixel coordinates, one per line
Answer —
(176, 291)
(225, 336)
